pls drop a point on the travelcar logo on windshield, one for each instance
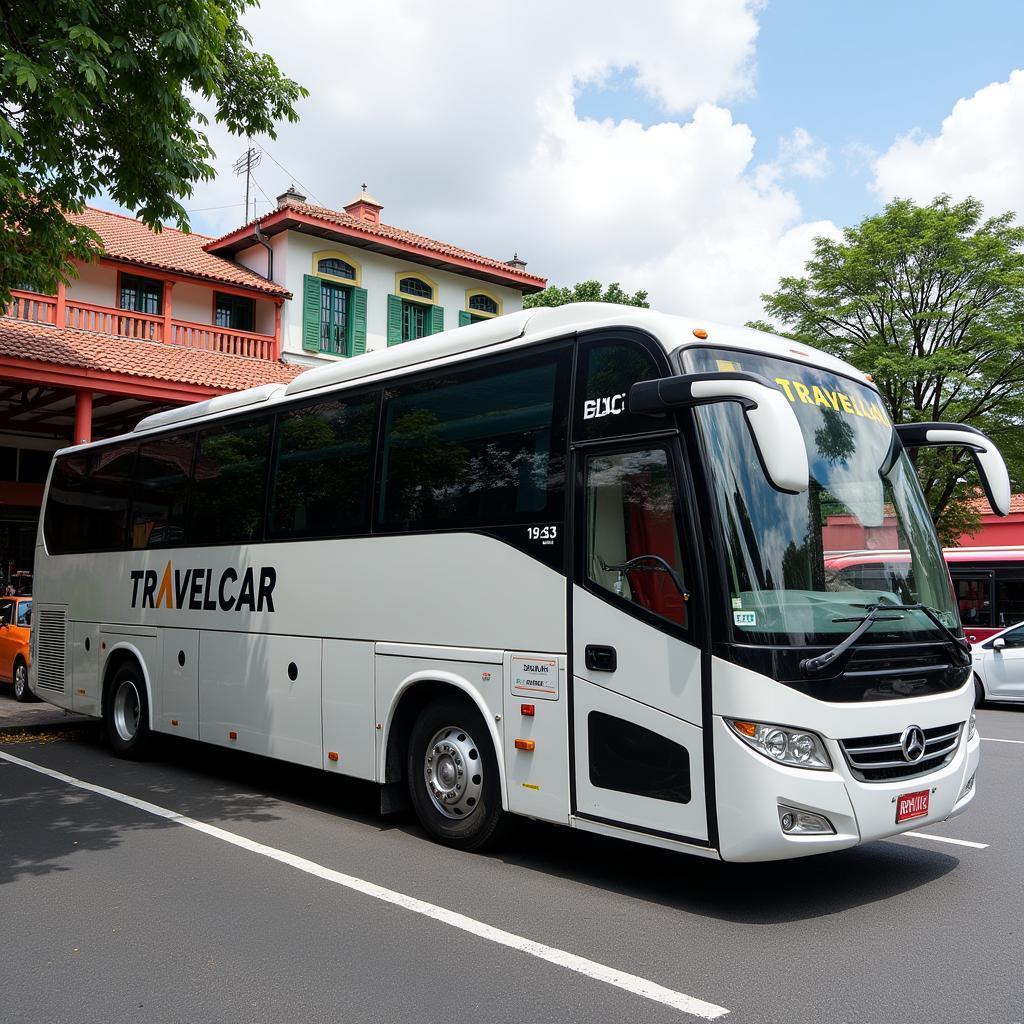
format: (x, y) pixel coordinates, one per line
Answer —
(199, 590)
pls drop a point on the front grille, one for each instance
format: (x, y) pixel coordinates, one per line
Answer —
(880, 758)
(50, 628)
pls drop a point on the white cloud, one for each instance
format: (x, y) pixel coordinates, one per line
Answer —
(460, 117)
(979, 151)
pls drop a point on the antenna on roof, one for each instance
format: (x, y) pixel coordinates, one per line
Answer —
(244, 165)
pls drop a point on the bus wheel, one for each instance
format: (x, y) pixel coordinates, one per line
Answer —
(126, 713)
(453, 775)
(21, 690)
(979, 692)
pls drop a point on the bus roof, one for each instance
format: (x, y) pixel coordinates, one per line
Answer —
(526, 327)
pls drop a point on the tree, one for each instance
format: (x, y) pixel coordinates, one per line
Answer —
(585, 291)
(99, 96)
(930, 301)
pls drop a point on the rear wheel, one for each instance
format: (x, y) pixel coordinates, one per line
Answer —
(453, 775)
(21, 691)
(126, 713)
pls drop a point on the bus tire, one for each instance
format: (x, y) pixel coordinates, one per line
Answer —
(126, 713)
(452, 774)
(20, 679)
(979, 692)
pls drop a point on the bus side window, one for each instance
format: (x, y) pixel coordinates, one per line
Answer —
(631, 511)
(108, 495)
(1009, 600)
(607, 370)
(161, 491)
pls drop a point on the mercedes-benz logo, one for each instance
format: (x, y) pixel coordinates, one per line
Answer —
(912, 743)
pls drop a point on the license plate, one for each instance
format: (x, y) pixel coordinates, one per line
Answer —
(911, 805)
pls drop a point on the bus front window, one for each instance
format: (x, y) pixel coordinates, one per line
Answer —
(863, 493)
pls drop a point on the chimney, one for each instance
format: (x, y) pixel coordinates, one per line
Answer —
(365, 207)
(516, 263)
(290, 198)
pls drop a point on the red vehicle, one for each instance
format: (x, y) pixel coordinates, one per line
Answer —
(988, 582)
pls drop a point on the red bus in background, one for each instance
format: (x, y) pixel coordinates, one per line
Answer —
(988, 582)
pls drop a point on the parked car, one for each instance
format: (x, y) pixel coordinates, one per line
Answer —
(15, 624)
(999, 666)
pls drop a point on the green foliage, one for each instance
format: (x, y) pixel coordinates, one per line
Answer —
(99, 96)
(585, 291)
(930, 301)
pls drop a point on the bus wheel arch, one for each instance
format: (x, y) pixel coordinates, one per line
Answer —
(410, 701)
(120, 655)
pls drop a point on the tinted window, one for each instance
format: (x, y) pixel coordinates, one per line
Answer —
(1009, 601)
(631, 759)
(63, 525)
(324, 469)
(228, 485)
(161, 491)
(108, 495)
(607, 371)
(972, 597)
(477, 448)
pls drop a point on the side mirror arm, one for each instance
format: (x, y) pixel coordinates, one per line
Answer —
(995, 480)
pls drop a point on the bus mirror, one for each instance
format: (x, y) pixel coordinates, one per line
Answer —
(987, 458)
(771, 421)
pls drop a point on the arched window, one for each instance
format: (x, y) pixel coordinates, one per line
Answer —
(481, 303)
(416, 288)
(336, 268)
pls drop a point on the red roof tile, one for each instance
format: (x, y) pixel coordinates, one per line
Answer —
(152, 360)
(400, 236)
(982, 506)
(127, 239)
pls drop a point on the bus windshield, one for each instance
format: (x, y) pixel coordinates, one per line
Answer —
(863, 493)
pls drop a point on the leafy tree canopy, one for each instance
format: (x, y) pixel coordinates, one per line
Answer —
(100, 96)
(930, 301)
(585, 291)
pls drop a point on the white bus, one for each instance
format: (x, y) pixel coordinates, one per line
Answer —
(565, 564)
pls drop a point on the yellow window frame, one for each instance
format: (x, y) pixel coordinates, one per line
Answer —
(470, 292)
(338, 254)
(400, 276)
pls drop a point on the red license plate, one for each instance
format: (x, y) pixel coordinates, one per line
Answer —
(911, 805)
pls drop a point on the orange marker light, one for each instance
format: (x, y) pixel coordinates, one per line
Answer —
(528, 710)
(232, 735)
(174, 721)
(699, 332)
(332, 755)
(747, 728)
(525, 744)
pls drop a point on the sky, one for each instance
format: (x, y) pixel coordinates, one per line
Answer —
(692, 148)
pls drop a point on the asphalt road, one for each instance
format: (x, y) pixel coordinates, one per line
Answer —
(111, 912)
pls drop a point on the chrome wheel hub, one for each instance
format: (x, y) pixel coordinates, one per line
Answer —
(453, 772)
(127, 710)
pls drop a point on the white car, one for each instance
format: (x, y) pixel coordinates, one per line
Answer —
(999, 666)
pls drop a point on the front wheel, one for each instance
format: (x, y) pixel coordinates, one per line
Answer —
(453, 775)
(126, 714)
(21, 691)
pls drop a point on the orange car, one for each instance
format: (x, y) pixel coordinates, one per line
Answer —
(15, 623)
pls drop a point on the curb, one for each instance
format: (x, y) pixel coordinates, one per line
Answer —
(34, 728)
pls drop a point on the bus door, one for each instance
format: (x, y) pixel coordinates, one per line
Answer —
(973, 589)
(637, 737)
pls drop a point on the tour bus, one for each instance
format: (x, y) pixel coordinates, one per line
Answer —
(565, 564)
(988, 582)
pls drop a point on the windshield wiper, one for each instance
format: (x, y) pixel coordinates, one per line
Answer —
(637, 565)
(813, 666)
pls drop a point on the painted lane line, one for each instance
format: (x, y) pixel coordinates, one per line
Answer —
(570, 961)
(946, 839)
(996, 739)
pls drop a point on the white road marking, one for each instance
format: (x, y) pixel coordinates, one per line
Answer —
(996, 739)
(946, 839)
(580, 965)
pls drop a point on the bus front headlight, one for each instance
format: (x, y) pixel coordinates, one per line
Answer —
(795, 747)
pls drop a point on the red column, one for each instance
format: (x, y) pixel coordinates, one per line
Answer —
(277, 331)
(59, 315)
(83, 417)
(168, 331)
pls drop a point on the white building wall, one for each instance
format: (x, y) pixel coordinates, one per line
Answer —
(95, 283)
(294, 259)
(192, 302)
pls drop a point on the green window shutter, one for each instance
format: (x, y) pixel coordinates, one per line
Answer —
(394, 319)
(465, 318)
(436, 322)
(356, 327)
(311, 313)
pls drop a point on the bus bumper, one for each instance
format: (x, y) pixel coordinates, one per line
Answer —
(750, 789)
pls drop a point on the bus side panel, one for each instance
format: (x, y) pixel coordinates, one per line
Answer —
(266, 690)
(176, 693)
(85, 671)
(348, 708)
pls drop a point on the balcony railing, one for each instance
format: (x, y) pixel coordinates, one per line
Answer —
(121, 323)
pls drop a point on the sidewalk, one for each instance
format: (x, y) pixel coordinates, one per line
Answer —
(33, 717)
